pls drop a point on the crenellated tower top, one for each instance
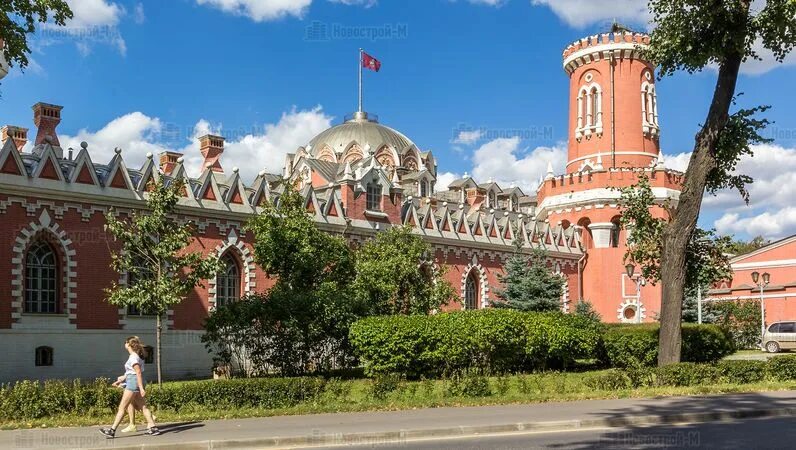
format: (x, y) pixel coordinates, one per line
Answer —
(613, 103)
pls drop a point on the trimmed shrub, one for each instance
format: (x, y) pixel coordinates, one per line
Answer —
(492, 340)
(608, 380)
(468, 383)
(33, 400)
(628, 345)
(782, 367)
(742, 371)
(686, 374)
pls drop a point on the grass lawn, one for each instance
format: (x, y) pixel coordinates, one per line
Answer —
(365, 395)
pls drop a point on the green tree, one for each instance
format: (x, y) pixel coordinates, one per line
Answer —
(18, 19)
(741, 247)
(153, 256)
(585, 308)
(397, 275)
(528, 283)
(691, 35)
(307, 313)
(707, 254)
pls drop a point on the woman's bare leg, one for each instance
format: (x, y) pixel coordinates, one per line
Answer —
(127, 398)
(140, 404)
(131, 414)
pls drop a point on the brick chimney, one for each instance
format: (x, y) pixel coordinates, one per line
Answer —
(168, 161)
(46, 117)
(18, 134)
(212, 147)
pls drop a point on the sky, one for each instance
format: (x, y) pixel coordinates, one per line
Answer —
(478, 82)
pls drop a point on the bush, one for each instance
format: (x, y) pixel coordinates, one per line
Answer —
(628, 345)
(492, 340)
(383, 385)
(33, 400)
(742, 371)
(608, 380)
(686, 374)
(740, 317)
(783, 367)
(469, 383)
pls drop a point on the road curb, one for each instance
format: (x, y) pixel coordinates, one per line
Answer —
(372, 438)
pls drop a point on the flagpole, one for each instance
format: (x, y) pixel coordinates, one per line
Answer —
(360, 80)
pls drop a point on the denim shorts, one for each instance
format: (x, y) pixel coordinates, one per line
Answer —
(131, 383)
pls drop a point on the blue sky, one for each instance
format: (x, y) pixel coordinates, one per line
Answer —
(269, 74)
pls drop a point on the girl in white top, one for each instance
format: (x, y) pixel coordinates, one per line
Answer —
(134, 391)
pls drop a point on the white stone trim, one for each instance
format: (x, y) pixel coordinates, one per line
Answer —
(233, 243)
(482, 282)
(68, 286)
(620, 312)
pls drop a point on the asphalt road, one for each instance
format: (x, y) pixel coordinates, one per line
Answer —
(746, 434)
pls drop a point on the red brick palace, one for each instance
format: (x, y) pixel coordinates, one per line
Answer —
(359, 177)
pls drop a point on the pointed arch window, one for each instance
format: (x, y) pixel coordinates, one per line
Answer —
(590, 111)
(471, 291)
(424, 189)
(41, 279)
(228, 281)
(373, 197)
(649, 109)
(615, 228)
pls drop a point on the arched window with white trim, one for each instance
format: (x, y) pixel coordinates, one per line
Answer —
(590, 111)
(471, 291)
(41, 279)
(228, 281)
(649, 109)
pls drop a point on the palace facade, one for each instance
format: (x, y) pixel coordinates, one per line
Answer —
(358, 178)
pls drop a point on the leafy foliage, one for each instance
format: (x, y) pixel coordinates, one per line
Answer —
(693, 34)
(528, 283)
(585, 309)
(152, 254)
(18, 18)
(395, 275)
(632, 345)
(740, 317)
(706, 256)
(159, 271)
(741, 247)
(497, 341)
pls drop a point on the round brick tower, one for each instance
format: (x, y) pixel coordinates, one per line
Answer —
(613, 112)
(613, 140)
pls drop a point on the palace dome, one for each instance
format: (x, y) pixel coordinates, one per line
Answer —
(363, 130)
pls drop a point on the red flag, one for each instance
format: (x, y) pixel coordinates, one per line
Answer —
(370, 62)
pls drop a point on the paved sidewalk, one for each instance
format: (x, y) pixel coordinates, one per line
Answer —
(396, 426)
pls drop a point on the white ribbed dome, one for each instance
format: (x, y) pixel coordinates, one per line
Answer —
(362, 130)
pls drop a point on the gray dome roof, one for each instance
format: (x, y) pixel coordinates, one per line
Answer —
(362, 130)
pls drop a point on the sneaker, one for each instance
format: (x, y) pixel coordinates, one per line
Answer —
(152, 431)
(109, 433)
(129, 429)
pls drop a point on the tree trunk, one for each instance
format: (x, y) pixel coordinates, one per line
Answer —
(158, 331)
(684, 218)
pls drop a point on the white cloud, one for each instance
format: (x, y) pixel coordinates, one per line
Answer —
(261, 10)
(580, 13)
(137, 134)
(771, 225)
(468, 137)
(138, 14)
(266, 148)
(770, 211)
(503, 161)
(444, 179)
(488, 2)
(365, 3)
(93, 21)
(767, 62)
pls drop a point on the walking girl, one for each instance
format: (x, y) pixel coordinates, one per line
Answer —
(134, 391)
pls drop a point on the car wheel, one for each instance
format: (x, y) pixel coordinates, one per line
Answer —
(772, 347)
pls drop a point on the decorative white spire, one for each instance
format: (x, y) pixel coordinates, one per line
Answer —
(348, 174)
(661, 163)
(550, 173)
(599, 165)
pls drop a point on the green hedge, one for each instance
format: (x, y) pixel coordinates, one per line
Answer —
(32, 399)
(495, 340)
(630, 345)
(783, 367)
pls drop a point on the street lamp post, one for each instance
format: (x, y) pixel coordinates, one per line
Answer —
(640, 281)
(762, 282)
